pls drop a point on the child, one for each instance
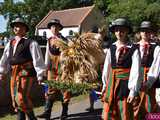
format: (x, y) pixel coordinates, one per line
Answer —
(120, 76)
(150, 52)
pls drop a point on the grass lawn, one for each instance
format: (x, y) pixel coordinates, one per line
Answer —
(38, 110)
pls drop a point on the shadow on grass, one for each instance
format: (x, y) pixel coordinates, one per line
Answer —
(8, 109)
(96, 115)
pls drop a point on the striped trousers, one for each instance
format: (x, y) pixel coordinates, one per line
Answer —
(20, 87)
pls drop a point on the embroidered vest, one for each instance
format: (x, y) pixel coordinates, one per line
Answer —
(22, 53)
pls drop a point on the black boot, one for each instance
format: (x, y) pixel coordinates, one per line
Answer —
(47, 111)
(91, 101)
(21, 115)
(64, 111)
(31, 116)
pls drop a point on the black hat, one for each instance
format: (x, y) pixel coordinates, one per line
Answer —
(20, 21)
(55, 22)
(147, 25)
(94, 29)
(120, 22)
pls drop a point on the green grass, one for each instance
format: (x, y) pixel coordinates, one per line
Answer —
(39, 110)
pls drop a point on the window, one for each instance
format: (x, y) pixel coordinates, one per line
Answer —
(44, 34)
(70, 32)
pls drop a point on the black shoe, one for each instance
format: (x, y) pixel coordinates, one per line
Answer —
(63, 117)
(90, 109)
(47, 111)
(44, 115)
(21, 115)
(31, 116)
(64, 111)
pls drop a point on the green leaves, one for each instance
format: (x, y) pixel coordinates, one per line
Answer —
(135, 10)
(74, 88)
(36, 10)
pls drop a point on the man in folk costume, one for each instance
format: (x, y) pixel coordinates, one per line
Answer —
(52, 60)
(121, 73)
(25, 59)
(150, 62)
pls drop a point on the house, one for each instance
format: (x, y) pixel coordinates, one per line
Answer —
(77, 20)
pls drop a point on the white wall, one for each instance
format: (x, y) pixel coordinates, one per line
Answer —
(41, 32)
(64, 31)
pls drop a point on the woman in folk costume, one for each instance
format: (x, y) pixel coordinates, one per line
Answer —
(25, 58)
(121, 72)
(52, 60)
(150, 62)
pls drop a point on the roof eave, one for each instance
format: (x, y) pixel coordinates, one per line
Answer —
(50, 12)
(63, 26)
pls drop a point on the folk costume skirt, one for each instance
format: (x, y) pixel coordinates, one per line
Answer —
(148, 101)
(115, 104)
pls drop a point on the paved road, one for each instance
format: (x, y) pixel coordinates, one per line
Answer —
(77, 111)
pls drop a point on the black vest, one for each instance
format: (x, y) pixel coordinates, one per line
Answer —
(127, 59)
(22, 53)
(122, 90)
(149, 59)
(53, 49)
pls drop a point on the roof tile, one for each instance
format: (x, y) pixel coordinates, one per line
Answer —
(68, 17)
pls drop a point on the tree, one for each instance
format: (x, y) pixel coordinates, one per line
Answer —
(135, 10)
(34, 10)
(103, 5)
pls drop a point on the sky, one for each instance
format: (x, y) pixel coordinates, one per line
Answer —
(2, 24)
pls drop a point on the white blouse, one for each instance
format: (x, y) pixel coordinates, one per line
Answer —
(154, 70)
(134, 83)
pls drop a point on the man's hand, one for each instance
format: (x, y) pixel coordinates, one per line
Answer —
(136, 101)
(130, 99)
(40, 81)
(1, 76)
(103, 96)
